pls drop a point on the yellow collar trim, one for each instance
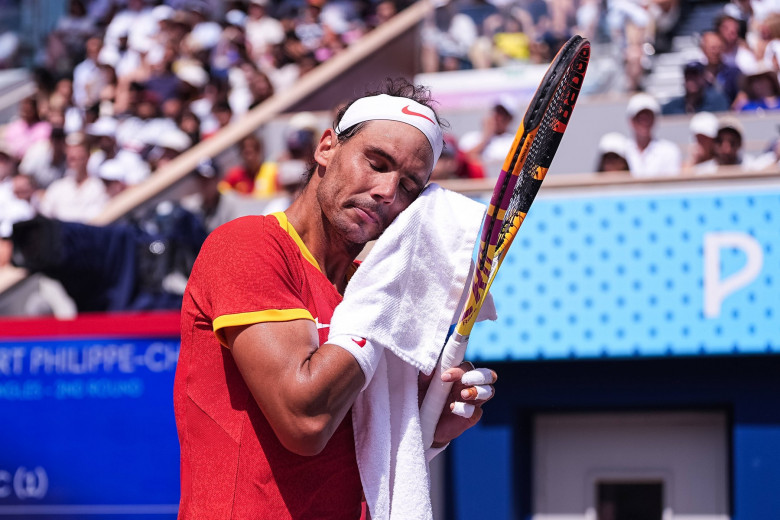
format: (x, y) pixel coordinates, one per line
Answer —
(282, 218)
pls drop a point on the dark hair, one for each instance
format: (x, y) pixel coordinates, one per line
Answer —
(397, 87)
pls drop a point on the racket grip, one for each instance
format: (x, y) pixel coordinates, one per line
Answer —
(436, 397)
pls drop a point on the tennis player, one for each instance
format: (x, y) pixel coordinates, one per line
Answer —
(261, 401)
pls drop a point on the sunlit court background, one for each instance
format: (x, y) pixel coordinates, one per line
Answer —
(638, 323)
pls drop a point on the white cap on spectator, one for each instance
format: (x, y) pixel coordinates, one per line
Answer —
(205, 35)
(303, 121)
(236, 17)
(704, 123)
(731, 123)
(162, 12)
(192, 74)
(613, 142)
(174, 140)
(112, 170)
(335, 20)
(508, 103)
(641, 101)
(103, 127)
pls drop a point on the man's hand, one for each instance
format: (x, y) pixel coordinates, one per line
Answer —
(464, 408)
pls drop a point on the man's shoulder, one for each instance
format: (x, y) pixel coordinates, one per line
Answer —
(665, 146)
(249, 224)
(675, 105)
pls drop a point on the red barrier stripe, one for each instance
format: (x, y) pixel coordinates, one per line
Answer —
(140, 324)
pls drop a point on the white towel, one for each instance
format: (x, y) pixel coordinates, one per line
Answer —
(402, 300)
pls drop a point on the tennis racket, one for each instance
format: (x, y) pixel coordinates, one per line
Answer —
(526, 165)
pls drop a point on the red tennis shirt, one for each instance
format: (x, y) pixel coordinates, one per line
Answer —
(252, 270)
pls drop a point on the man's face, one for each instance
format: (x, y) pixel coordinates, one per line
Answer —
(23, 187)
(370, 178)
(642, 123)
(728, 145)
(502, 119)
(712, 47)
(729, 31)
(77, 157)
(694, 82)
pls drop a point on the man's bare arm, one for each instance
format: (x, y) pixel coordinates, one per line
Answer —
(303, 391)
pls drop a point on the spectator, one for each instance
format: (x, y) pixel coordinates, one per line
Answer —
(760, 91)
(258, 83)
(87, 78)
(769, 159)
(262, 31)
(704, 132)
(126, 21)
(630, 27)
(454, 163)
(728, 148)
(222, 114)
(101, 136)
(214, 207)
(167, 146)
(75, 28)
(281, 179)
(45, 160)
(491, 145)
(162, 80)
(112, 173)
(505, 39)
(769, 45)
(16, 203)
(447, 40)
(646, 155)
(189, 123)
(699, 95)
(27, 129)
(241, 177)
(722, 76)
(77, 197)
(613, 147)
(736, 52)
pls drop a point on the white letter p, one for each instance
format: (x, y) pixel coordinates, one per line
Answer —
(715, 289)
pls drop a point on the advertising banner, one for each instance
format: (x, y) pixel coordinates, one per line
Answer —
(87, 418)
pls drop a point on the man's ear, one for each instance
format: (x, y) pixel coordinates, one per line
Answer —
(324, 150)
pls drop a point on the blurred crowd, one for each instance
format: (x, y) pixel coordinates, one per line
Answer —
(124, 86)
(716, 141)
(741, 44)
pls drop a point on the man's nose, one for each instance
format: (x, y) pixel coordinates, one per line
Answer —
(385, 188)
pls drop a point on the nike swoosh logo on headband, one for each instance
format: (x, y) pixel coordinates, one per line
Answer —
(408, 112)
(361, 343)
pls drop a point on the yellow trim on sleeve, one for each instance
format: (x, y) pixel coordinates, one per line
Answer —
(250, 318)
(285, 224)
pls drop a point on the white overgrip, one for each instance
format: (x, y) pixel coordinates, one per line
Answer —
(436, 397)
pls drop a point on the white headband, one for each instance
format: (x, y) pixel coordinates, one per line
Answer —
(394, 108)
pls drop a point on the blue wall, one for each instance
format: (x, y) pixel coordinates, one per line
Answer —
(492, 462)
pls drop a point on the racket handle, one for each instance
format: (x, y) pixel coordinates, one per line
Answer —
(438, 391)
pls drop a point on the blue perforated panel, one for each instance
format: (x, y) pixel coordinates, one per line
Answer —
(623, 275)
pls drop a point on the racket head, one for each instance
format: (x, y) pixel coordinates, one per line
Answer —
(536, 141)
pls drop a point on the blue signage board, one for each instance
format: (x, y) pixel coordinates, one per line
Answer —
(642, 273)
(87, 427)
